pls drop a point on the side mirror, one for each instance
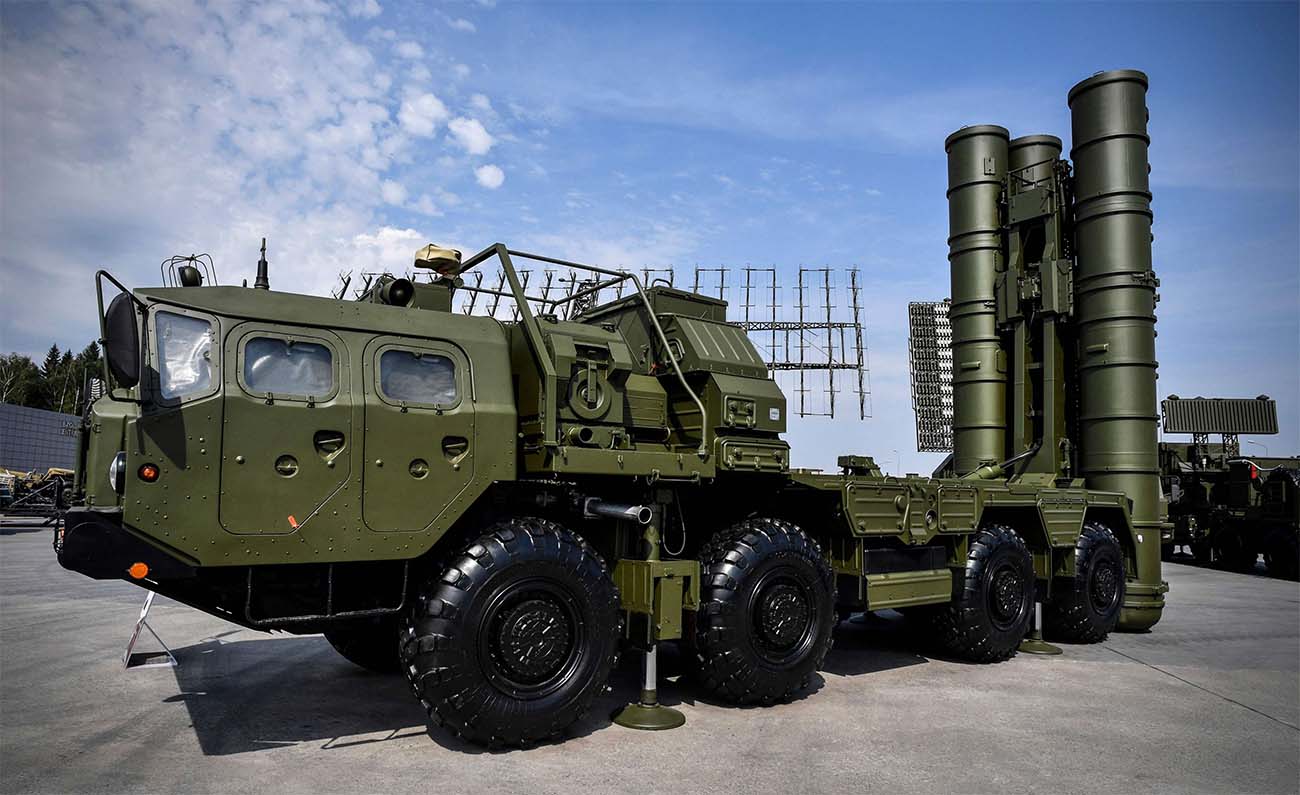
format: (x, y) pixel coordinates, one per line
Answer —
(122, 340)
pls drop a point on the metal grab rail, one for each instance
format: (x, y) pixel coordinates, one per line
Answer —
(100, 275)
(532, 330)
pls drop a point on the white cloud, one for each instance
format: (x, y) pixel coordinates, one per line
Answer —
(421, 115)
(389, 248)
(490, 176)
(393, 192)
(409, 49)
(365, 9)
(187, 127)
(425, 206)
(461, 70)
(463, 25)
(471, 135)
(481, 102)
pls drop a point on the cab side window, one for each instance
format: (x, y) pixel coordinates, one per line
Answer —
(285, 367)
(412, 377)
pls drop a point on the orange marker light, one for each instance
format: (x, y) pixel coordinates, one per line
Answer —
(138, 571)
(293, 522)
(148, 473)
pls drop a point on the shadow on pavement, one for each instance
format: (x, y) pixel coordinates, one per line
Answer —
(251, 695)
(872, 642)
(8, 529)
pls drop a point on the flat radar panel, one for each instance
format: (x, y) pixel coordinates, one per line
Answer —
(1200, 415)
(929, 347)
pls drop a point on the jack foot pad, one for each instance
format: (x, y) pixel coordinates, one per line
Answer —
(1033, 645)
(648, 717)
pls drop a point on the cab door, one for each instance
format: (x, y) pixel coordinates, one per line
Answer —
(419, 440)
(288, 428)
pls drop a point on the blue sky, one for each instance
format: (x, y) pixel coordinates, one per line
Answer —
(349, 134)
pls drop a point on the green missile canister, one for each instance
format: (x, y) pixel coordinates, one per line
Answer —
(1115, 295)
(977, 166)
(1032, 157)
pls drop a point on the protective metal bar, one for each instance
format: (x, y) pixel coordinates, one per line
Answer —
(329, 613)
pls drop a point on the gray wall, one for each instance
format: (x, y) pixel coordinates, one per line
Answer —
(35, 439)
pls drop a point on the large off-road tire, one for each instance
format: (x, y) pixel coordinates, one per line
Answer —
(1233, 551)
(516, 638)
(990, 617)
(368, 642)
(767, 609)
(1201, 552)
(1282, 553)
(1086, 607)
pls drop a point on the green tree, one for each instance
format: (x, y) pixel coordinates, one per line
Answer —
(56, 385)
(20, 380)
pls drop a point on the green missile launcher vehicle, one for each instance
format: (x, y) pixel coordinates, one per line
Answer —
(500, 509)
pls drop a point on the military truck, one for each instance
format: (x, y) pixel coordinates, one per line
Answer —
(499, 509)
(1225, 507)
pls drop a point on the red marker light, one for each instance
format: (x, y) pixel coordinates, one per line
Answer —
(138, 571)
(293, 522)
(148, 473)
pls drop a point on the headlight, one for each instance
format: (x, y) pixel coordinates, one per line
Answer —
(117, 472)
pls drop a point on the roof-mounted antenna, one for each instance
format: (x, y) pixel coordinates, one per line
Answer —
(262, 282)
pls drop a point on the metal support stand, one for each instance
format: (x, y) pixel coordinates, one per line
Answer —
(1033, 642)
(147, 659)
(647, 714)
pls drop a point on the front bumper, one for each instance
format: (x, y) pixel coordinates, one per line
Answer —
(95, 544)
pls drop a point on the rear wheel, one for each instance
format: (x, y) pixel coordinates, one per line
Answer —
(766, 612)
(1087, 608)
(1282, 553)
(991, 616)
(516, 638)
(368, 642)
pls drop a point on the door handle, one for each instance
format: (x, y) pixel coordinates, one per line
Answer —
(454, 448)
(328, 444)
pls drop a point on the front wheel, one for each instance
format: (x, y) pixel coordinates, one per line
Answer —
(1087, 608)
(368, 642)
(991, 616)
(517, 637)
(766, 612)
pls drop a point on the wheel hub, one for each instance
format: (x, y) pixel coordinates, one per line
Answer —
(1008, 594)
(783, 616)
(533, 640)
(1105, 587)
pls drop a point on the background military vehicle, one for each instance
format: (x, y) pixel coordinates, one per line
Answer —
(499, 508)
(1229, 508)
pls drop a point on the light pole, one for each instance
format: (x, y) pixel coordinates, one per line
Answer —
(1259, 444)
(898, 464)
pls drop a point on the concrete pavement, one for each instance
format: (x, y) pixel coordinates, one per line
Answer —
(1207, 702)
